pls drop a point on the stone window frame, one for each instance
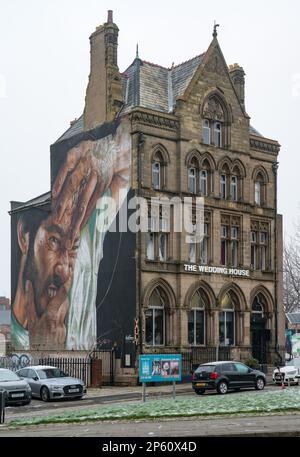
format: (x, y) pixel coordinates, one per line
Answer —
(215, 110)
(260, 175)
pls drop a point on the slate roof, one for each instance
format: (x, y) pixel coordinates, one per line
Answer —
(34, 202)
(253, 131)
(152, 86)
(293, 318)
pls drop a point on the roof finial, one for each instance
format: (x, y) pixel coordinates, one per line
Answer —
(215, 29)
(137, 51)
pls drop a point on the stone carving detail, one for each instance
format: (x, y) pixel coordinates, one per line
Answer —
(153, 120)
(213, 110)
(264, 146)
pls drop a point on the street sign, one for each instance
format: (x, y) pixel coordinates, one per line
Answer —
(160, 367)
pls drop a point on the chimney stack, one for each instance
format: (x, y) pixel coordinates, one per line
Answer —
(104, 91)
(238, 78)
(110, 16)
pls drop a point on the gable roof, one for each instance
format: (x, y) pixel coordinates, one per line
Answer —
(152, 86)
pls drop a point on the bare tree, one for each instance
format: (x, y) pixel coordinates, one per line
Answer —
(291, 273)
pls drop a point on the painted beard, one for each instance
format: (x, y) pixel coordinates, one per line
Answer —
(43, 292)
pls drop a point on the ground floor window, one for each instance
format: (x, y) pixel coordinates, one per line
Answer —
(155, 318)
(196, 318)
(196, 327)
(226, 328)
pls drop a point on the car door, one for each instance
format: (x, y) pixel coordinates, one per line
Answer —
(246, 377)
(33, 381)
(25, 374)
(230, 373)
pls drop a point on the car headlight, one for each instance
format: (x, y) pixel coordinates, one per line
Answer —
(56, 387)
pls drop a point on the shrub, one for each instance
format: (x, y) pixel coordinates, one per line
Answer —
(252, 363)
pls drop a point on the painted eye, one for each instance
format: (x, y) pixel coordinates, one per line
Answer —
(54, 243)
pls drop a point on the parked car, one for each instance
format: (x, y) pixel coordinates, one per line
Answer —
(17, 391)
(226, 375)
(49, 383)
(288, 373)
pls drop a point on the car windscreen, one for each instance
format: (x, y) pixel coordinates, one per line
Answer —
(294, 363)
(7, 375)
(206, 368)
(48, 373)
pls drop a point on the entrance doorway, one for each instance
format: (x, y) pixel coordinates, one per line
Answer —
(258, 331)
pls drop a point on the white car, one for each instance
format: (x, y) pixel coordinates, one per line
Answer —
(290, 372)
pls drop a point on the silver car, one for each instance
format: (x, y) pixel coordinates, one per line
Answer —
(17, 391)
(50, 383)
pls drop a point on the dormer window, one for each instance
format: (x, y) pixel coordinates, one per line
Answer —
(215, 118)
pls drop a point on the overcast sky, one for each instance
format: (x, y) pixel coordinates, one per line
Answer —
(44, 67)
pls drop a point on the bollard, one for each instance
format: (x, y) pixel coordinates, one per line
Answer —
(2, 406)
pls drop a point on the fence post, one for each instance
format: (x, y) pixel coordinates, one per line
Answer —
(2, 406)
(96, 373)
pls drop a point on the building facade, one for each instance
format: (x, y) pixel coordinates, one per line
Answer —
(4, 325)
(190, 137)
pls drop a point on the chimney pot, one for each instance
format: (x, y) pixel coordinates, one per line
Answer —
(110, 16)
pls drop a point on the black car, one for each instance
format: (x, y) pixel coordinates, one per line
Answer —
(223, 376)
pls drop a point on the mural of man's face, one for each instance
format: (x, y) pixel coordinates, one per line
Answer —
(50, 262)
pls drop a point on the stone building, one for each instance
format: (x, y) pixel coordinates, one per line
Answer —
(191, 137)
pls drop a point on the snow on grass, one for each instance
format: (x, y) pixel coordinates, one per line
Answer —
(207, 405)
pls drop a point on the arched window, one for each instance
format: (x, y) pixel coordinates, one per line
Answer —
(257, 306)
(227, 320)
(224, 181)
(156, 175)
(203, 182)
(155, 318)
(216, 122)
(158, 170)
(206, 131)
(193, 174)
(259, 189)
(236, 183)
(196, 319)
(223, 185)
(234, 188)
(205, 177)
(192, 180)
(218, 134)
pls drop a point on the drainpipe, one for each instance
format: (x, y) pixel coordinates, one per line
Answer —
(140, 146)
(275, 168)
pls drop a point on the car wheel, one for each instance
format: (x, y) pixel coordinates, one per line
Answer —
(200, 391)
(222, 388)
(45, 393)
(259, 384)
